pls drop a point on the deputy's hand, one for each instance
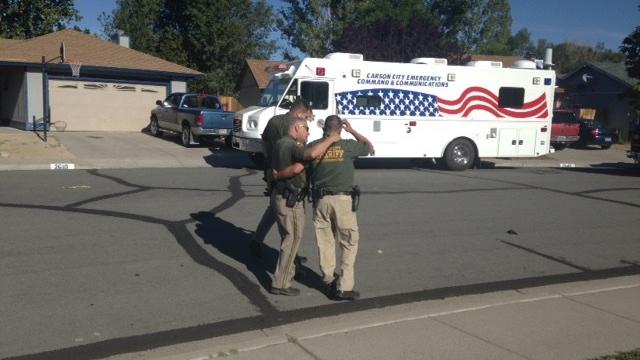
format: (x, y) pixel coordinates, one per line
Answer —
(346, 125)
(274, 175)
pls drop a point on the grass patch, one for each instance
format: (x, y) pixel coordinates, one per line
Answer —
(623, 355)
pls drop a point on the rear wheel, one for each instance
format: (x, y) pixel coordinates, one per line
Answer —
(460, 155)
(185, 136)
(154, 128)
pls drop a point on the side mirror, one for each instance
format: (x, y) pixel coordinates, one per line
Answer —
(159, 102)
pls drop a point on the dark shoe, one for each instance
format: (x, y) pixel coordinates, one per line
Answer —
(290, 291)
(347, 295)
(331, 289)
(255, 247)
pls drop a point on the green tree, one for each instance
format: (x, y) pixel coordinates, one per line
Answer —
(520, 44)
(480, 26)
(631, 49)
(569, 56)
(25, 19)
(214, 37)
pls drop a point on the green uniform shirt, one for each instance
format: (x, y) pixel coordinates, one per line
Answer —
(335, 171)
(276, 129)
(286, 152)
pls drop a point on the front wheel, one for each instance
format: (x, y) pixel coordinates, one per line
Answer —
(154, 128)
(185, 136)
(460, 155)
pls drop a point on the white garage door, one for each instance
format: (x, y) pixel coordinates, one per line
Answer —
(102, 106)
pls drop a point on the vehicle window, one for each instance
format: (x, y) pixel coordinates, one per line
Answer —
(190, 101)
(172, 100)
(561, 117)
(511, 97)
(368, 101)
(195, 101)
(316, 93)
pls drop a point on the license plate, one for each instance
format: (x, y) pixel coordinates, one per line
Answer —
(607, 139)
(223, 131)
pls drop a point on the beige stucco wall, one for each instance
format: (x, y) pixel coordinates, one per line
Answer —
(102, 106)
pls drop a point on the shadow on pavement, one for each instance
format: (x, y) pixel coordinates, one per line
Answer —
(616, 169)
(234, 243)
(229, 158)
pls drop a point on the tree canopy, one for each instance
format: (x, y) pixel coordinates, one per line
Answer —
(214, 37)
(25, 19)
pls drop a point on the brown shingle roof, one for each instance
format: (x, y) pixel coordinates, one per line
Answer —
(88, 49)
(259, 70)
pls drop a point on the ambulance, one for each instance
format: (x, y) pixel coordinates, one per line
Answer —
(421, 109)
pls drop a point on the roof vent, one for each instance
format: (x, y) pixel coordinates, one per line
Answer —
(344, 56)
(485, 64)
(524, 64)
(429, 61)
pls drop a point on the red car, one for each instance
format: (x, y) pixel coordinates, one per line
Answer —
(565, 129)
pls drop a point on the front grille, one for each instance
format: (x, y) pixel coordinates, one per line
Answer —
(237, 124)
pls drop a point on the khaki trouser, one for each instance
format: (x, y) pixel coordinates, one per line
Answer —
(290, 226)
(334, 221)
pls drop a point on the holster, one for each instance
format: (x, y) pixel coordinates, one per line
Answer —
(292, 194)
(355, 198)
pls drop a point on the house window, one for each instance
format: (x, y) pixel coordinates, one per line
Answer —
(511, 97)
(316, 93)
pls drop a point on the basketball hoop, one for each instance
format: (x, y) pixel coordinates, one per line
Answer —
(75, 66)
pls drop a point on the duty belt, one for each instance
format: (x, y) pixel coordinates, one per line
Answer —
(325, 192)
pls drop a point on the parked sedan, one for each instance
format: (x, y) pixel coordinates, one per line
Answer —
(593, 133)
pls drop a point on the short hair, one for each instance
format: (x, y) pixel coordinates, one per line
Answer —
(332, 124)
(295, 121)
(300, 104)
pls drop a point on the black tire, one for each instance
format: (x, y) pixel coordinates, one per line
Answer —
(185, 136)
(460, 155)
(258, 159)
(605, 147)
(228, 140)
(154, 128)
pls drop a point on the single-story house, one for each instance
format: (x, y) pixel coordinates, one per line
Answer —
(254, 78)
(605, 87)
(115, 90)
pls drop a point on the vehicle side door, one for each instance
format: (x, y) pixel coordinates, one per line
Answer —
(167, 115)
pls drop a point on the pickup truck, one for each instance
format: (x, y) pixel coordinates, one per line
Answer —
(195, 117)
(565, 128)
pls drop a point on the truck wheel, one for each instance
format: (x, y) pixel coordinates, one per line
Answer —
(459, 155)
(154, 128)
(258, 159)
(185, 136)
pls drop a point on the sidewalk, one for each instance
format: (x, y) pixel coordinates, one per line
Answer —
(24, 150)
(578, 320)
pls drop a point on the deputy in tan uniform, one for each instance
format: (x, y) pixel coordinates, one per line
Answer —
(277, 128)
(287, 199)
(335, 205)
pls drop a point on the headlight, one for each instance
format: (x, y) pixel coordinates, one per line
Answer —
(252, 124)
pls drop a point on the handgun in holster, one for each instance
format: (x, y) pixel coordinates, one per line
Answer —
(355, 198)
(315, 195)
(292, 194)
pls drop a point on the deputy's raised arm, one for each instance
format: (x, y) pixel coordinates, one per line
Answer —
(359, 137)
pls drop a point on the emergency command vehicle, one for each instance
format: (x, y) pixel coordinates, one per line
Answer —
(422, 109)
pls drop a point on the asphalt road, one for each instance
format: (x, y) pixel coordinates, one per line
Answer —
(100, 262)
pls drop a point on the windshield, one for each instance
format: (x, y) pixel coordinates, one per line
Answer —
(274, 91)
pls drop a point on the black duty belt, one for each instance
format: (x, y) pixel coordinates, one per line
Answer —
(325, 192)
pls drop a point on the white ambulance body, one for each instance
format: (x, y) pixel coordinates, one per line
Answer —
(425, 108)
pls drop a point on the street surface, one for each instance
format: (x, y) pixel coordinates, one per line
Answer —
(101, 262)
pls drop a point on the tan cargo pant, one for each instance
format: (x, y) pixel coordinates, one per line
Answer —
(334, 221)
(290, 226)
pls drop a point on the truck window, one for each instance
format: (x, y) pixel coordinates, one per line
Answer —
(173, 100)
(316, 93)
(511, 97)
(368, 101)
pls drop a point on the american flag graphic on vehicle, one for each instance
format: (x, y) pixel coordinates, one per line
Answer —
(398, 102)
